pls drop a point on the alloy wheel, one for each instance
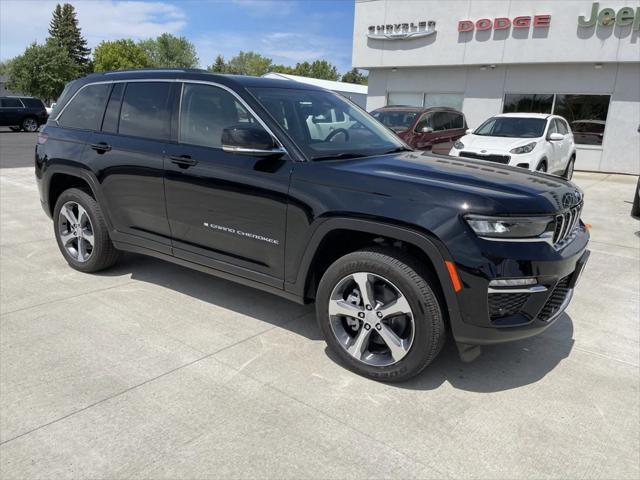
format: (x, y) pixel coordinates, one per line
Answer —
(30, 125)
(371, 319)
(75, 231)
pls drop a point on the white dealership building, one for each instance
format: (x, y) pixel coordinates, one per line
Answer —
(577, 59)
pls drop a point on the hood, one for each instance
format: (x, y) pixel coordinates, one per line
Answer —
(494, 144)
(475, 185)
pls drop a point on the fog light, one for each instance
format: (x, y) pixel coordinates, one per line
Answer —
(513, 282)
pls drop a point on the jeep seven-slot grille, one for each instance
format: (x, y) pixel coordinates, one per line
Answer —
(506, 304)
(555, 300)
(491, 158)
(566, 223)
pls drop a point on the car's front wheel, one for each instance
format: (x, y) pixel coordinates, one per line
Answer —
(568, 172)
(379, 313)
(81, 232)
(542, 166)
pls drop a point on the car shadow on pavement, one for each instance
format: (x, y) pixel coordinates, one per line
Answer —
(498, 368)
(216, 291)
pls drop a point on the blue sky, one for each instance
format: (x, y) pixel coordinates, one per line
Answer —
(288, 31)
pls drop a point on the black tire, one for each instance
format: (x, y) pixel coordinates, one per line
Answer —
(568, 172)
(103, 254)
(417, 286)
(635, 209)
(542, 166)
(30, 124)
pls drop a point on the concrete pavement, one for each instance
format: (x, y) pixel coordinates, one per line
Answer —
(151, 370)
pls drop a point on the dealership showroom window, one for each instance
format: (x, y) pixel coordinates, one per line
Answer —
(580, 60)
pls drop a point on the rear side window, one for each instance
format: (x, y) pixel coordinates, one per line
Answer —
(10, 103)
(146, 110)
(33, 103)
(86, 108)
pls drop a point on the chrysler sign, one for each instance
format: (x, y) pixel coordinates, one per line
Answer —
(402, 31)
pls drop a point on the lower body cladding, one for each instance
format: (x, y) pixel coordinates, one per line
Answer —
(519, 298)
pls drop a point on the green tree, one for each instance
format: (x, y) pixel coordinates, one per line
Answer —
(218, 66)
(64, 32)
(249, 63)
(354, 76)
(317, 69)
(169, 51)
(120, 55)
(282, 69)
(42, 71)
(5, 67)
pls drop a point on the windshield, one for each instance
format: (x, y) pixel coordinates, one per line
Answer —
(519, 127)
(395, 120)
(324, 125)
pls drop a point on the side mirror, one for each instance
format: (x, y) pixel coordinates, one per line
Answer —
(252, 140)
(426, 130)
(468, 131)
(556, 137)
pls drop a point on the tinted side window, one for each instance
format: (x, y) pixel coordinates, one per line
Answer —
(86, 108)
(205, 112)
(441, 121)
(11, 103)
(32, 103)
(457, 120)
(146, 110)
(111, 115)
(426, 121)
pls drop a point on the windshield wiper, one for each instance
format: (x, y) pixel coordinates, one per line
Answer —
(336, 156)
(398, 149)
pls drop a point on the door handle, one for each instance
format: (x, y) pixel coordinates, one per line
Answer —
(101, 147)
(183, 161)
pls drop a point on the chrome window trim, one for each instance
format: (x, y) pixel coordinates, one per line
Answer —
(183, 81)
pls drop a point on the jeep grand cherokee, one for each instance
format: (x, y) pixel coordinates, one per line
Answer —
(229, 175)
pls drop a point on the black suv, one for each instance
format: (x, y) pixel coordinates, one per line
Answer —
(22, 113)
(294, 190)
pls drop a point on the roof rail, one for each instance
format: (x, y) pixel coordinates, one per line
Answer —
(154, 70)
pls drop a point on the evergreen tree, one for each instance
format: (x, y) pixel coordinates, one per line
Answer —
(64, 32)
(354, 76)
(219, 65)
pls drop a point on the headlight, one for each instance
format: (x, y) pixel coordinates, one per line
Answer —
(524, 148)
(511, 227)
(458, 145)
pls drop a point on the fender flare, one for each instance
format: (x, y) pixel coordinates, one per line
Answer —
(428, 244)
(79, 171)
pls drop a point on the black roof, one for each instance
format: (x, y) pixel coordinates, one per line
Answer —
(194, 74)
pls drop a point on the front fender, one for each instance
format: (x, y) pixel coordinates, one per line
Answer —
(431, 246)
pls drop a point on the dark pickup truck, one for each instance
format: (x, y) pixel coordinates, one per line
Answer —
(295, 190)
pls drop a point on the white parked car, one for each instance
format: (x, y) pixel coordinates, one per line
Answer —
(535, 141)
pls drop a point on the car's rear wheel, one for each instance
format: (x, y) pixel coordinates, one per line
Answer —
(568, 172)
(29, 124)
(81, 232)
(378, 312)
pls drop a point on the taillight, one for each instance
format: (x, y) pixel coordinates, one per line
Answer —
(42, 137)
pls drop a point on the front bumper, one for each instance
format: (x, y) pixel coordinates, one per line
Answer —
(495, 315)
(523, 160)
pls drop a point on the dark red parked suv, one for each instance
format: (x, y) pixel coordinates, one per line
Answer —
(433, 128)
